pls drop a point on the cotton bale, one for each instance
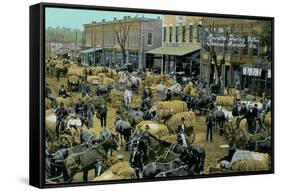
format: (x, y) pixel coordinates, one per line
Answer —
(225, 100)
(170, 108)
(75, 70)
(252, 165)
(155, 129)
(176, 120)
(94, 79)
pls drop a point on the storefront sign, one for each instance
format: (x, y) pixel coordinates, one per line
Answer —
(252, 71)
(232, 41)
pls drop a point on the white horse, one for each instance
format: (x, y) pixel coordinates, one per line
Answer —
(128, 94)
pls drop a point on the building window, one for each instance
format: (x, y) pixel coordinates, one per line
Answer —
(164, 33)
(198, 33)
(177, 33)
(190, 33)
(245, 49)
(235, 50)
(255, 52)
(183, 33)
(170, 34)
(149, 39)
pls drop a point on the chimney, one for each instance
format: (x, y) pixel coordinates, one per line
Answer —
(114, 18)
(103, 20)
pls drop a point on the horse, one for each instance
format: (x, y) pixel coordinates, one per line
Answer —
(263, 146)
(56, 159)
(193, 156)
(219, 119)
(180, 171)
(87, 160)
(123, 128)
(128, 94)
(152, 169)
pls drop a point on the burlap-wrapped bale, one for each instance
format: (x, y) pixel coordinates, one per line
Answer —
(225, 100)
(136, 102)
(59, 66)
(237, 94)
(116, 97)
(73, 79)
(252, 165)
(267, 119)
(152, 79)
(170, 108)
(102, 75)
(176, 120)
(194, 92)
(66, 101)
(94, 79)
(169, 138)
(155, 129)
(187, 88)
(119, 171)
(75, 70)
(108, 81)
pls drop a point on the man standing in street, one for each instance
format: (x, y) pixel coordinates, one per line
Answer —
(62, 92)
(61, 113)
(103, 113)
(209, 122)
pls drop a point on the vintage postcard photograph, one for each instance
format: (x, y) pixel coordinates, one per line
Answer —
(138, 95)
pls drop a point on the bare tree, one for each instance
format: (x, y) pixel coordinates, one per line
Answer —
(122, 33)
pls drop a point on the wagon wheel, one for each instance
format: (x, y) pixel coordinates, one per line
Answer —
(191, 135)
(66, 139)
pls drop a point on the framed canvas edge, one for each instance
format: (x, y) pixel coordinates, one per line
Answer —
(41, 92)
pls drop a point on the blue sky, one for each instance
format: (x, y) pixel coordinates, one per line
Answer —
(75, 18)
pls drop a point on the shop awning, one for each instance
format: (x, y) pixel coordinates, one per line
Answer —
(177, 51)
(90, 50)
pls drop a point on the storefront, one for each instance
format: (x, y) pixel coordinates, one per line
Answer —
(91, 56)
(176, 60)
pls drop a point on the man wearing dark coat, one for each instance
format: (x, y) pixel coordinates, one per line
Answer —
(209, 122)
(169, 95)
(251, 119)
(102, 114)
(61, 113)
(240, 111)
(62, 92)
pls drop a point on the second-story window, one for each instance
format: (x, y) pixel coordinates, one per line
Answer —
(170, 33)
(191, 33)
(149, 39)
(198, 33)
(183, 33)
(177, 33)
(245, 49)
(164, 34)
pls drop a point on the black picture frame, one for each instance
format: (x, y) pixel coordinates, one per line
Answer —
(37, 92)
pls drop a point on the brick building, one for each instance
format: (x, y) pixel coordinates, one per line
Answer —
(101, 40)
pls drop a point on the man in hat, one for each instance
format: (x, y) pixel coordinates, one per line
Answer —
(169, 95)
(103, 114)
(49, 95)
(251, 119)
(182, 128)
(61, 113)
(209, 122)
(62, 92)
